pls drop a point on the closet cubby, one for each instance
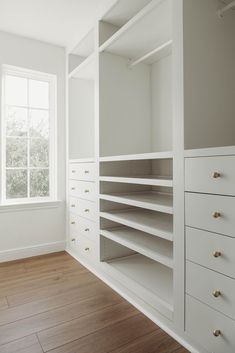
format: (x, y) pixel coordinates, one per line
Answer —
(152, 222)
(136, 85)
(150, 279)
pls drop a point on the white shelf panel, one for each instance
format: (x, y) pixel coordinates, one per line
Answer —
(123, 11)
(148, 245)
(82, 160)
(153, 282)
(154, 55)
(86, 70)
(135, 157)
(151, 200)
(212, 151)
(158, 224)
(153, 180)
(150, 28)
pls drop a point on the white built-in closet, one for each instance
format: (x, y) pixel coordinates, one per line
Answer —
(139, 85)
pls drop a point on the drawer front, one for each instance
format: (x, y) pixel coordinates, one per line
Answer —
(83, 208)
(204, 247)
(201, 324)
(82, 226)
(87, 209)
(211, 212)
(73, 205)
(82, 171)
(214, 175)
(87, 249)
(72, 226)
(82, 189)
(211, 288)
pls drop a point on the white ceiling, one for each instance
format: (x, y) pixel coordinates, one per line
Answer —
(60, 22)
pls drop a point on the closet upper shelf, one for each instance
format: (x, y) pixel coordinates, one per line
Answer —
(86, 70)
(150, 29)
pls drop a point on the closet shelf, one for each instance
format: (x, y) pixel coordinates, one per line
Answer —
(151, 200)
(148, 245)
(149, 279)
(86, 70)
(154, 55)
(143, 33)
(142, 156)
(155, 223)
(153, 180)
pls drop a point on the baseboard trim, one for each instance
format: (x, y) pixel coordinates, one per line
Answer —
(30, 251)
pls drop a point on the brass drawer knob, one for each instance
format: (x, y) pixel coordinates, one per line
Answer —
(72, 223)
(87, 191)
(87, 210)
(217, 254)
(216, 175)
(87, 249)
(87, 230)
(73, 189)
(86, 172)
(73, 171)
(217, 333)
(73, 206)
(217, 293)
(217, 215)
(73, 239)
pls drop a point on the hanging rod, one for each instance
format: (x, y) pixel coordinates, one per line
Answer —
(165, 46)
(225, 8)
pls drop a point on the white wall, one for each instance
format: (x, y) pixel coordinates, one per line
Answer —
(36, 227)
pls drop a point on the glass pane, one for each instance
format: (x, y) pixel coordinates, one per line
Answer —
(38, 94)
(16, 121)
(16, 184)
(39, 183)
(39, 153)
(39, 123)
(16, 152)
(16, 90)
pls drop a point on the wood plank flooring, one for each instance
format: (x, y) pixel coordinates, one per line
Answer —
(53, 304)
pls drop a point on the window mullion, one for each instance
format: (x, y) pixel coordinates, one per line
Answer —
(28, 143)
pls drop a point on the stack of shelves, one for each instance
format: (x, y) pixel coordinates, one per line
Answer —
(137, 226)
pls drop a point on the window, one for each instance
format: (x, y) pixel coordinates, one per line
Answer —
(28, 140)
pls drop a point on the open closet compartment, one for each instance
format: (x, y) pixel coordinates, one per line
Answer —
(81, 99)
(136, 84)
(136, 225)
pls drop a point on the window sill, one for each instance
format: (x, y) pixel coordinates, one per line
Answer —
(29, 206)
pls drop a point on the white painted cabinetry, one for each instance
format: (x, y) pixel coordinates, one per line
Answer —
(210, 248)
(144, 85)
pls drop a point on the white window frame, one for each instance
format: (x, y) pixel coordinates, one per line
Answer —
(52, 80)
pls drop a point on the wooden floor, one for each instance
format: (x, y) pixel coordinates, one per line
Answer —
(53, 304)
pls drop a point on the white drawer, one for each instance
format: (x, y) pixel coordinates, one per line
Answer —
(72, 226)
(201, 324)
(83, 208)
(82, 189)
(213, 175)
(202, 247)
(82, 226)
(201, 209)
(211, 288)
(87, 209)
(82, 171)
(87, 248)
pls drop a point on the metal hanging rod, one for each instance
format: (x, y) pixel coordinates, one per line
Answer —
(225, 8)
